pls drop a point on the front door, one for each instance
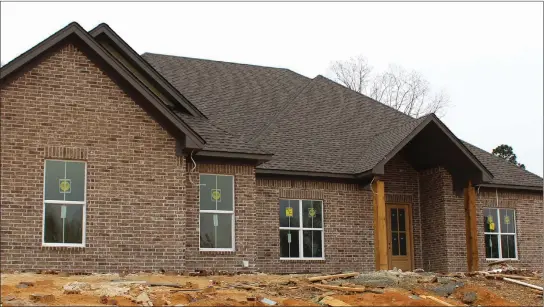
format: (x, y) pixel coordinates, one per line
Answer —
(399, 237)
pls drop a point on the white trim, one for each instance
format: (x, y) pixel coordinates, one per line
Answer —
(208, 249)
(63, 244)
(66, 202)
(217, 211)
(298, 259)
(499, 234)
(231, 212)
(301, 229)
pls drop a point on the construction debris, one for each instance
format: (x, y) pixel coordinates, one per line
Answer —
(42, 298)
(385, 288)
(268, 302)
(335, 276)
(523, 284)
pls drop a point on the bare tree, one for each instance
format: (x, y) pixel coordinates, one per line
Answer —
(405, 91)
(353, 73)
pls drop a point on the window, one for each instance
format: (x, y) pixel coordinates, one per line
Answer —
(216, 212)
(64, 205)
(500, 233)
(301, 229)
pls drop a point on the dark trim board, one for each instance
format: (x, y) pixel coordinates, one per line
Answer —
(303, 173)
(510, 187)
(163, 115)
(104, 29)
(379, 168)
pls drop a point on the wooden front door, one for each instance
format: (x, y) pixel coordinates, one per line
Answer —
(399, 237)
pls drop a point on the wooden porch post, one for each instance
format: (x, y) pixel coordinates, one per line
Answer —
(380, 226)
(471, 228)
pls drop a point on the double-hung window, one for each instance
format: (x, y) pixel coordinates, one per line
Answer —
(500, 233)
(64, 203)
(301, 229)
(216, 212)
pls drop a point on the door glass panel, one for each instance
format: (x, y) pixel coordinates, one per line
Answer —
(394, 223)
(402, 220)
(402, 243)
(395, 243)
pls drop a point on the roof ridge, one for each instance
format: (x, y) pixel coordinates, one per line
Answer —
(381, 104)
(281, 111)
(219, 61)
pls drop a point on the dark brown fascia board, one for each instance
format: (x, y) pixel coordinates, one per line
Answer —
(303, 173)
(76, 30)
(379, 168)
(510, 186)
(146, 67)
(234, 155)
(31, 53)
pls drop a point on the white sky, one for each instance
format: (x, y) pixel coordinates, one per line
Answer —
(488, 56)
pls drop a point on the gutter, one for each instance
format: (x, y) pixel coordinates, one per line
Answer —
(510, 187)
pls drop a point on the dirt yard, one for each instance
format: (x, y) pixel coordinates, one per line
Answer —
(386, 288)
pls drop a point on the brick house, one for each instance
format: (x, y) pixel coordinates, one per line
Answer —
(112, 161)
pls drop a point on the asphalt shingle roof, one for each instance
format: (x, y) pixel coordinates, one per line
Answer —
(308, 124)
(218, 139)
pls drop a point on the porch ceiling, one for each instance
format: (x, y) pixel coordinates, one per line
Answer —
(431, 144)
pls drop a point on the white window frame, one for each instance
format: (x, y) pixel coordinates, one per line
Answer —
(65, 202)
(231, 212)
(499, 233)
(301, 229)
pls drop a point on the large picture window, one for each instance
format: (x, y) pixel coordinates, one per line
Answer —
(500, 233)
(64, 203)
(216, 212)
(301, 229)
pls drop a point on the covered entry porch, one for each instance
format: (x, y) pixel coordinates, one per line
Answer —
(437, 225)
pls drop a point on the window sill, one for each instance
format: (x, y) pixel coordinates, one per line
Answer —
(220, 251)
(302, 259)
(501, 259)
(47, 245)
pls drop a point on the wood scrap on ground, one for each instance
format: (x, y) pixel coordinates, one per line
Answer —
(348, 289)
(501, 276)
(523, 283)
(335, 276)
(163, 284)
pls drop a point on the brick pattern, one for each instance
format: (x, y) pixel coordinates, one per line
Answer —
(246, 219)
(66, 107)
(433, 221)
(529, 220)
(347, 209)
(401, 182)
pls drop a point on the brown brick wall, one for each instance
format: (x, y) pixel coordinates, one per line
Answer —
(246, 219)
(348, 226)
(529, 223)
(433, 220)
(67, 108)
